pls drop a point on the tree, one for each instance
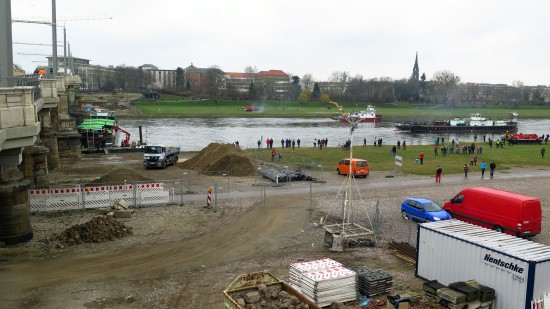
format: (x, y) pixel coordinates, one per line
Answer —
(445, 82)
(316, 93)
(307, 81)
(324, 98)
(304, 97)
(340, 81)
(252, 91)
(295, 87)
(214, 79)
(180, 79)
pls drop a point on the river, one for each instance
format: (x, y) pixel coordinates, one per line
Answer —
(193, 134)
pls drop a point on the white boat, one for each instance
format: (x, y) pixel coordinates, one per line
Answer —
(368, 115)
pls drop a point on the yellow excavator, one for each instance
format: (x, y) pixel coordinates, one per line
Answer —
(343, 113)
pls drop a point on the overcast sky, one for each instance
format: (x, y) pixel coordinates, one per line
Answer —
(480, 41)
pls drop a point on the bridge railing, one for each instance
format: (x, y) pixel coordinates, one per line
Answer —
(24, 80)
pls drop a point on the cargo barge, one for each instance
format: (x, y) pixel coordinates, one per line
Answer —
(475, 123)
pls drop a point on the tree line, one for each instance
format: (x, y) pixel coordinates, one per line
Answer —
(444, 88)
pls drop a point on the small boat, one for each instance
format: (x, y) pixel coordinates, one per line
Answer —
(476, 123)
(367, 115)
(523, 138)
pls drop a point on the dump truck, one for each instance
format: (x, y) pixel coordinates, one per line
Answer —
(245, 287)
(159, 156)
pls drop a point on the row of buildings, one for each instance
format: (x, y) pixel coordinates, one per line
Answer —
(192, 78)
(273, 83)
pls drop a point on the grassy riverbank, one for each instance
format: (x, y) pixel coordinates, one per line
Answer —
(527, 156)
(173, 106)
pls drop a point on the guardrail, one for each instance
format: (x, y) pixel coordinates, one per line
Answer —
(25, 80)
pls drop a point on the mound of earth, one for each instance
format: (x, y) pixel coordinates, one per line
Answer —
(98, 229)
(120, 174)
(217, 159)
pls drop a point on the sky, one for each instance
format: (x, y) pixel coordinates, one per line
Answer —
(498, 42)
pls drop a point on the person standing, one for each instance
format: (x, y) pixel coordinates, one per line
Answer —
(298, 142)
(542, 151)
(492, 167)
(421, 158)
(273, 153)
(483, 167)
(438, 172)
(466, 168)
(364, 142)
(404, 145)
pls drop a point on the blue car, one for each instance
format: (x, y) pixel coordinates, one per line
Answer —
(423, 210)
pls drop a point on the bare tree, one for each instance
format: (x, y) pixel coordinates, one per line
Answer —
(215, 80)
(445, 83)
(307, 81)
(340, 80)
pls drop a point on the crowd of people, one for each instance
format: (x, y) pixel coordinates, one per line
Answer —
(455, 147)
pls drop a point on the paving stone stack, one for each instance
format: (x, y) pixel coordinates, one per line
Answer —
(297, 269)
(372, 282)
(336, 284)
(430, 289)
(459, 295)
(486, 294)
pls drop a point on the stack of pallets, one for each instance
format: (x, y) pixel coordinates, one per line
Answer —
(336, 284)
(372, 282)
(323, 281)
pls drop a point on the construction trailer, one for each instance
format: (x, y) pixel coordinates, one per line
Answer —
(451, 250)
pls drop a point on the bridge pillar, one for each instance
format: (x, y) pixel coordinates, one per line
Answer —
(35, 165)
(15, 223)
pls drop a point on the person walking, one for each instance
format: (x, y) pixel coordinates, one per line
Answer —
(466, 168)
(273, 153)
(421, 158)
(492, 167)
(483, 167)
(542, 151)
(438, 172)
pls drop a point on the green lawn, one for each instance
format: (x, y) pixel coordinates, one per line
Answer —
(173, 106)
(379, 158)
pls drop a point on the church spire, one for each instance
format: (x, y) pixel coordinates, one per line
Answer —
(416, 71)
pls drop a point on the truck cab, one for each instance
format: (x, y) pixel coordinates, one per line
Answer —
(159, 156)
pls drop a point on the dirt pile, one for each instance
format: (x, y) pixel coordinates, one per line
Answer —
(217, 159)
(98, 229)
(120, 174)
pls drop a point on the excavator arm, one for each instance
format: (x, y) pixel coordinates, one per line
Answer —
(126, 141)
(340, 108)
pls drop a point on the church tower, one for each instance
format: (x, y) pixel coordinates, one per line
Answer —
(416, 71)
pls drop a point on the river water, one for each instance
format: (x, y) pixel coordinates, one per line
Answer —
(193, 134)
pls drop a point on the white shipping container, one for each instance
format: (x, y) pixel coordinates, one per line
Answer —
(452, 250)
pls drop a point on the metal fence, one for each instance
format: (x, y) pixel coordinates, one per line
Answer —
(24, 80)
(325, 199)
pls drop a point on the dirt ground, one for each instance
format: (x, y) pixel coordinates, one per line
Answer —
(185, 256)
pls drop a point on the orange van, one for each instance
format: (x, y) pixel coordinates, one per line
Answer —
(502, 211)
(359, 167)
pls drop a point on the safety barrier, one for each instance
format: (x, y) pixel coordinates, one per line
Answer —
(97, 197)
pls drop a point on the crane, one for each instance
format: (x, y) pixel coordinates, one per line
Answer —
(340, 108)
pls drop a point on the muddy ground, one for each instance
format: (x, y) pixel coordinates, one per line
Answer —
(185, 256)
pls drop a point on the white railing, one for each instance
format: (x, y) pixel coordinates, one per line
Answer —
(55, 199)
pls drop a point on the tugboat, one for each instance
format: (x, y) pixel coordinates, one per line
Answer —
(476, 123)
